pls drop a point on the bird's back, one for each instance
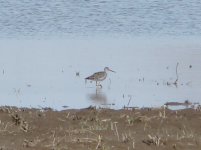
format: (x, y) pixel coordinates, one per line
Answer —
(98, 76)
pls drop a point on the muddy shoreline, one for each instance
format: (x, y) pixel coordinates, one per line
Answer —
(104, 129)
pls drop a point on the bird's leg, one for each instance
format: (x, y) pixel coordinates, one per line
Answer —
(99, 85)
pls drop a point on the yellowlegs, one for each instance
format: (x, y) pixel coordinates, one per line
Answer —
(99, 76)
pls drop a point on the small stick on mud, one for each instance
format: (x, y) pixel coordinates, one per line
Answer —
(133, 143)
(115, 124)
(112, 127)
(53, 136)
(6, 126)
(164, 113)
(99, 142)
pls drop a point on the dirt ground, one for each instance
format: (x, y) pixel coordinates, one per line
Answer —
(102, 129)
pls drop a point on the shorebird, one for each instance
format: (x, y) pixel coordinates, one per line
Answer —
(99, 76)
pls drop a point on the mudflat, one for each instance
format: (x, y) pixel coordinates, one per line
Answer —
(102, 129)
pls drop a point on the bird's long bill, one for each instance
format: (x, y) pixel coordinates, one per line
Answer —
(112, 70)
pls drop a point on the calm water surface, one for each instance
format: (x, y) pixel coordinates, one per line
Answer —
(44, 44)
(43, 73)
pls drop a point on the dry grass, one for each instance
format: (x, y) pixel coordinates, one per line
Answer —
(100, 129)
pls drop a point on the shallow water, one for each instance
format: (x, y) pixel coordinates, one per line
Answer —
(42, 73)
(44, 44)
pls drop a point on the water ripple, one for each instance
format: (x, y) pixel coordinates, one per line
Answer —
(23, 18)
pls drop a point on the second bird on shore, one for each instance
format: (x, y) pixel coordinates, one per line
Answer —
(99, 76)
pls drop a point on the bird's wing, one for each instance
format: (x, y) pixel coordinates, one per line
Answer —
(95, 76)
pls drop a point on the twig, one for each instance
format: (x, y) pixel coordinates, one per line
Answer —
(175, 83)
(130, 97)
(91, 132)
(99, 142)
(133, 143)
(53, 142)
(6, 126)
(115, 124)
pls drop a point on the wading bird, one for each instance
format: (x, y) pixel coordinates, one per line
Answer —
(99, 76)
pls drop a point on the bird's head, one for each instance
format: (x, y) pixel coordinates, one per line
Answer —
(108, 69)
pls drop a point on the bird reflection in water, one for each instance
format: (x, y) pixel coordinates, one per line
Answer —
(98, 97)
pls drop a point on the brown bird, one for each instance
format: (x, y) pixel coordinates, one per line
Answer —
(99, 76)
